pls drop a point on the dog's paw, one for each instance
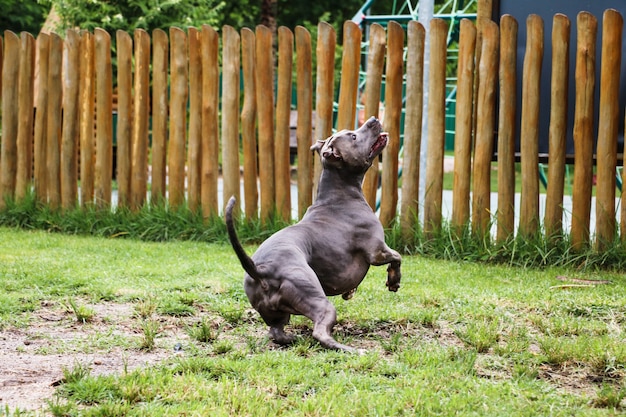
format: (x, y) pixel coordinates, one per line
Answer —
(348, 295)
(393, 280)
(393, 287)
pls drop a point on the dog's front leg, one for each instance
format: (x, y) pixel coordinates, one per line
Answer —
(386, 255)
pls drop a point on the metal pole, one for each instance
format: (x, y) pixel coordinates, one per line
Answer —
(425, 13)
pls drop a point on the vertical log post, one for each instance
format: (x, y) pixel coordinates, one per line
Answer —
(349, 86)
(282, 175)
(124, 116)
(373, 83)
(178, 117)
(436, 126)
(324, 88)
(587, 28)
(140, 128)
(409, 205)
(104, 118)
(194, 149)
(304, 126)
(40, 160)
(463, 134)
(553, 220)
(69, 145)
(8, 159)
(265, 116)
(86, 118)
(210, 124)
(608, 125)
(529, 132)
(53, 135)
(391, 122)
(25, 103)
(485, 124)
(160, 110)
(230, 112)
(507, 122)
(248, 124)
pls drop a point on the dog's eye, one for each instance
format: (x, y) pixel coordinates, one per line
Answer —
(353, 136)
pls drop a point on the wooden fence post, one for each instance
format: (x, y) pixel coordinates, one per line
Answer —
(373, 82)
(25, 117)
(53, 135)
(324, 88)
(463, 134)
(69, 145)
(40, 160)
(608, 124)
(104, 118)
(409, 205)
(391, 123)
(230, 112)
(248, 124)
(507, 122)
(485, 124)
(178, 117)
(124, 133)
(529, 132)
(304, 128)
(160, 110)
(194, 148)
(436, 126)
(210, 122)
(282, 174)
(86, 117)
(140, 125)
(10, 73)
(553, 220)
(587, 27)
(265, 116)
(349, 85)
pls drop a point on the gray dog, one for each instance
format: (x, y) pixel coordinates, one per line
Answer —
(329, 251)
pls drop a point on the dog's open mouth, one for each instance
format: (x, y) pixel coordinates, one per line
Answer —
(379, 145)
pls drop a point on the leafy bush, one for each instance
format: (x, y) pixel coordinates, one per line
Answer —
(144, 14)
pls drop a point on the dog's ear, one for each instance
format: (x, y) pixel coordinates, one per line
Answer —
(318, 146)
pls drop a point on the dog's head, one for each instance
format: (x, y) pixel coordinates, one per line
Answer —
(353, 149)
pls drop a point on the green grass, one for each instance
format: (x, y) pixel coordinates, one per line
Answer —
(160, 224)
(459, 338)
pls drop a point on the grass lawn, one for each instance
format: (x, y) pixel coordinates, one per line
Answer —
(112, 327)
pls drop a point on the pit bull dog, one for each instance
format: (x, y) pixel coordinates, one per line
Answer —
(329, 251)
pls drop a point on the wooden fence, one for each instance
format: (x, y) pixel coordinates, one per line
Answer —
(175, 119)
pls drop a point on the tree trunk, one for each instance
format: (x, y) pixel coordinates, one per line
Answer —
(268, 14)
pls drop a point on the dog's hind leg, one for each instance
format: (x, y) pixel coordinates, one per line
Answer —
(311, 302)
(277, 324)
(278, 335)
(324, 319)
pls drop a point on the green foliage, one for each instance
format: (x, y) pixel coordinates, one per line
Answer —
(23, 15)
(131, 15)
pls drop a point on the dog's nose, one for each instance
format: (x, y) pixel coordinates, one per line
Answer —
(372, 120)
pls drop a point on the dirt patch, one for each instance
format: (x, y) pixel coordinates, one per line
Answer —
(33, 358)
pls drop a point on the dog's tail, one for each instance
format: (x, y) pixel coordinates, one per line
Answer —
(246, 261)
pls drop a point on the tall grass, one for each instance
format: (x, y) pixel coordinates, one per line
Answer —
(159, 223)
